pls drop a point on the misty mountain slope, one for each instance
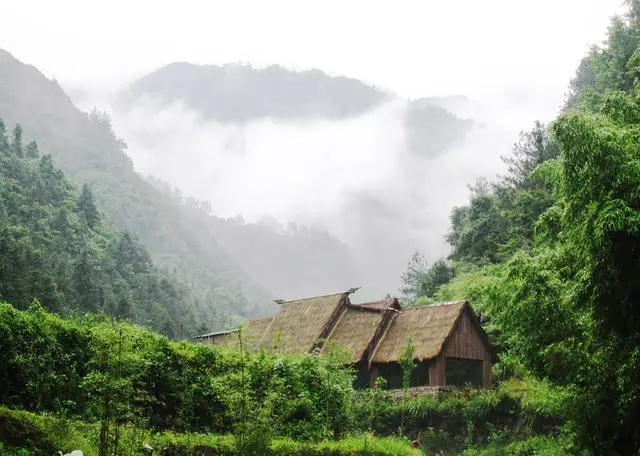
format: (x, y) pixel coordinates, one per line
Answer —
(240, 93)
(270, 142)
(290, 261)
(86, 148)
(55, 247)
(431, 129)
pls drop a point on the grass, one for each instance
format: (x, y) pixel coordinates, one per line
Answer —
(24, 433)
(529, 446)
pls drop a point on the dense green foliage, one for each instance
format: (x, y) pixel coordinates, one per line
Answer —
(501, 217)
(550, 254)
(55, 247)
(452, 422)
(117, 373)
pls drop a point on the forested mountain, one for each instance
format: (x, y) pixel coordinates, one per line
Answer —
(273, 254)
(550, 253)
(86, 148)
(240, 93)
(56, 247)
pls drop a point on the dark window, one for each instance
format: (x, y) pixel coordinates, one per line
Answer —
(464, 372)
(392, 373)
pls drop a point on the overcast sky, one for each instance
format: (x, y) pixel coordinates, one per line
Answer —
(414, 48)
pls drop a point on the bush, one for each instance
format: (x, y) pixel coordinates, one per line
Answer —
(531, 446)
(96, 369)
(460, 419)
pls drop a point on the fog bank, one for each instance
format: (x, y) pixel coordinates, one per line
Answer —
(354, 178)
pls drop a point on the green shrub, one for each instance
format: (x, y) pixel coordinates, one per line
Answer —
(96, 369)
(530, 446)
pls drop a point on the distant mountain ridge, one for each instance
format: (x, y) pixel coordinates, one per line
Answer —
(241, 93)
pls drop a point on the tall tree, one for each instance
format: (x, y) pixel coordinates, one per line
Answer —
(4, 141)
(422, 280)
(87, 207)
(533, 148)
(32, 150)
(16, 144)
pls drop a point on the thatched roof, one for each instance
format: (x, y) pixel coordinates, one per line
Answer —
(356, 329)
(252, 332)
(378, 331)
(295, 328)
(428, 327)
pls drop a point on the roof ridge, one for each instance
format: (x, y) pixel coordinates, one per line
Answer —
(391, 320)
(436, 304)
(216, 333)
(313, 297)
(362, 308)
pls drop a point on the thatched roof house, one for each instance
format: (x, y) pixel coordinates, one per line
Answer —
(450, 346)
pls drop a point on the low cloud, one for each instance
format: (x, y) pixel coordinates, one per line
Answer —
(354, 178)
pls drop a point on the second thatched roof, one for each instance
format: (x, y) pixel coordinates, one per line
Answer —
(428, 328)
(355, 330)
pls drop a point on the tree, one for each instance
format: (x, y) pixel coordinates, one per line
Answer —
(407, 365)
(85, 274)
(439, 273)
(634, 10)
(570, 309)
(4, 141)
(421, 280)
(54, 246)
(413, 277)
(609, 68)
(478, 230)
(533, 148)
(87, 207)
(500, 217)
(32, 150)
(16, 144)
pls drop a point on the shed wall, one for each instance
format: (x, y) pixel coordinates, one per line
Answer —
(465, 342)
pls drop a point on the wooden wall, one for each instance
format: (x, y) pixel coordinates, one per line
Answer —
(465, 342)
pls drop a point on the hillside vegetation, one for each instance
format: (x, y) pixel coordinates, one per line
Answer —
(55, 245)
(549, 254)
(86, 148)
